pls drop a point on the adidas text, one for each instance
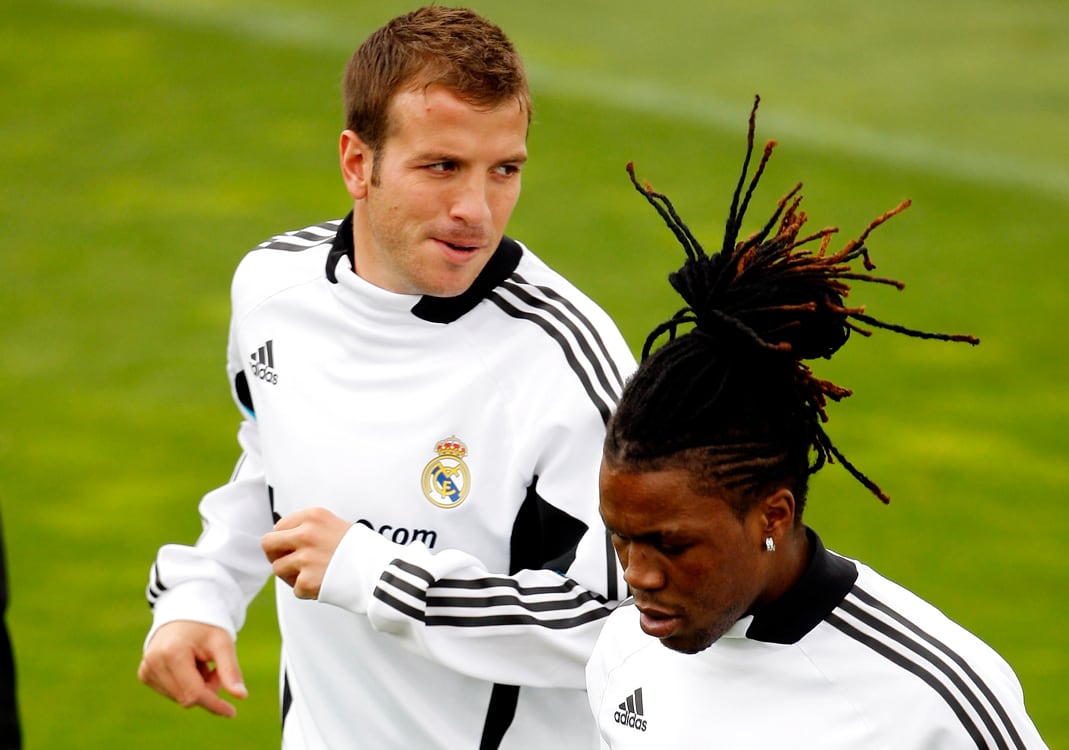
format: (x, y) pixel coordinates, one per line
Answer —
(265, 374)
(262, 363)
(630, 712)
(630, 720)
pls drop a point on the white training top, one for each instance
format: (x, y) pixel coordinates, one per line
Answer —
(847, 660)
(462, 437)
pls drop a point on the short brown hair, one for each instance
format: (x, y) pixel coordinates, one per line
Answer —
(453, 47)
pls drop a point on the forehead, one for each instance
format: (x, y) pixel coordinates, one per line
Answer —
(436, 112)
(647, 502)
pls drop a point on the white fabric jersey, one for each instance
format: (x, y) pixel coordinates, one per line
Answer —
(847, 660)
(462, 437)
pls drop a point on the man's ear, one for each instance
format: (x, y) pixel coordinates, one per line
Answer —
(357, 160)
(777, 513)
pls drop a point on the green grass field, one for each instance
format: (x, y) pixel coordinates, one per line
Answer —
(148, 144)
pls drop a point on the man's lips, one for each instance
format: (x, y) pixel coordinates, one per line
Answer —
(656, 622)
(461, 245)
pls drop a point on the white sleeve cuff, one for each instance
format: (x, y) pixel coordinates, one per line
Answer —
(195, 601)
(356, 567)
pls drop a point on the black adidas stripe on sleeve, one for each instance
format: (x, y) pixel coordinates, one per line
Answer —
(486, 601)
(302, 239)
(573, 332)
(893, 636)
(155, 586)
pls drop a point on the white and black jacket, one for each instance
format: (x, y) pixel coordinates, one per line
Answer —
(462, 437)
(845, 660)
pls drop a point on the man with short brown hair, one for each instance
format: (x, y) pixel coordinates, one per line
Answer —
(424, 405)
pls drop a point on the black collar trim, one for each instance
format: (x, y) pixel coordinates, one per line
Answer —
(438, 309)
(448, 309)
(341, 247)
(825, 583)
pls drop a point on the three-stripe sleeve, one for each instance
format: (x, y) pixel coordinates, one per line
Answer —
(304, 238)
(975, 704)
(579, 340)
(488, 601)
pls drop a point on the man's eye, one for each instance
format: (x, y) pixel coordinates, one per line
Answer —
(507, 170)
(672, 549)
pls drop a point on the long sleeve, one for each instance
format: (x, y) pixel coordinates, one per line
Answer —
(535, 627)
(213, 580)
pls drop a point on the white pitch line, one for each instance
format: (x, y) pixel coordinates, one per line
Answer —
(307, 31)
(883, 147)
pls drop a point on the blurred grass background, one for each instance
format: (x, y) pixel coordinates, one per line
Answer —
(147, 144)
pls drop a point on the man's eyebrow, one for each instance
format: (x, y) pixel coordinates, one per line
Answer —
(648, 537)
(433, 157)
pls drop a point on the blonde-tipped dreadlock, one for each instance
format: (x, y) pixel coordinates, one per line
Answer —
(732, 397)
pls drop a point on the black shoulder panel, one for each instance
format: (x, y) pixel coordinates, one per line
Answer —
(241, 387)
(543, 536)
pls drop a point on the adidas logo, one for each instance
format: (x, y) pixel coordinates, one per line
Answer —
(262, 363)
(630, 712)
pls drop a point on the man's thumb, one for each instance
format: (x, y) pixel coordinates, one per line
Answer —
(230, 674)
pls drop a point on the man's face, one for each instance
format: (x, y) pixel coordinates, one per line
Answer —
(445, 183)
(693, 566)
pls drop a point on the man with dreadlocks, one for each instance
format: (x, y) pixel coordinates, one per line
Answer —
(772, 640)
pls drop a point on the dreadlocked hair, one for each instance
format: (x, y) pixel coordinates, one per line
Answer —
(728, 395)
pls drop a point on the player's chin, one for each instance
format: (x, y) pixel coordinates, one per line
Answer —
(453, 281)
(689, 641)
(686, 646)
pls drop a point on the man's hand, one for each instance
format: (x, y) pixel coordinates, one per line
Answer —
(189, 662)
(301, 546)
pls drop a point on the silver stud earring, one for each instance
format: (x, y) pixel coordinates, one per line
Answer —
(770, 544)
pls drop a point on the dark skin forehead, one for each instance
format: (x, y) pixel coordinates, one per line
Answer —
(661, 503)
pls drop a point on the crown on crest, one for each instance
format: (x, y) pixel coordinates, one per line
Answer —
(452, 447)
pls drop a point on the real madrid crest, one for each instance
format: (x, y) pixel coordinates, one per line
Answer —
(446, 478)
